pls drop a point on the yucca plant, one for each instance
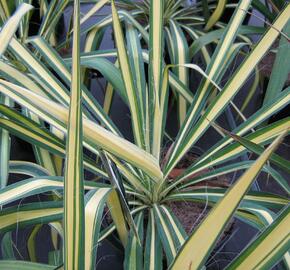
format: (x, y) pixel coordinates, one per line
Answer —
(59, 116)
(189, 29)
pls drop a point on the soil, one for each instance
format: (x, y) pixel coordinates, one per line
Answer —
(191, 214)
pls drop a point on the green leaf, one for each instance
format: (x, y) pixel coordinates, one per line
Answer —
(181, 57)
(214, 35)
(119, 197)
(171, 232)
(7, 247)
(5, 145)
(134, 250)
(257, 149)
(153, 250)
(138, 72)
(280, 70)
(42, 156)
(55, 257)
(109, 71)
(263, 9)
(31, 242)
(27, 168)
(6, 8)
(155, 71)
(94, 205)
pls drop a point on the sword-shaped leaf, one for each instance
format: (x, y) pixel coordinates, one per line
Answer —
(94, 205)
(256, 148)
(153, 249)
(134, 249)
(134, 105)
(74, 213)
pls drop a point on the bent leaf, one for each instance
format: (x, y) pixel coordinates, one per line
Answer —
(11, 26)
